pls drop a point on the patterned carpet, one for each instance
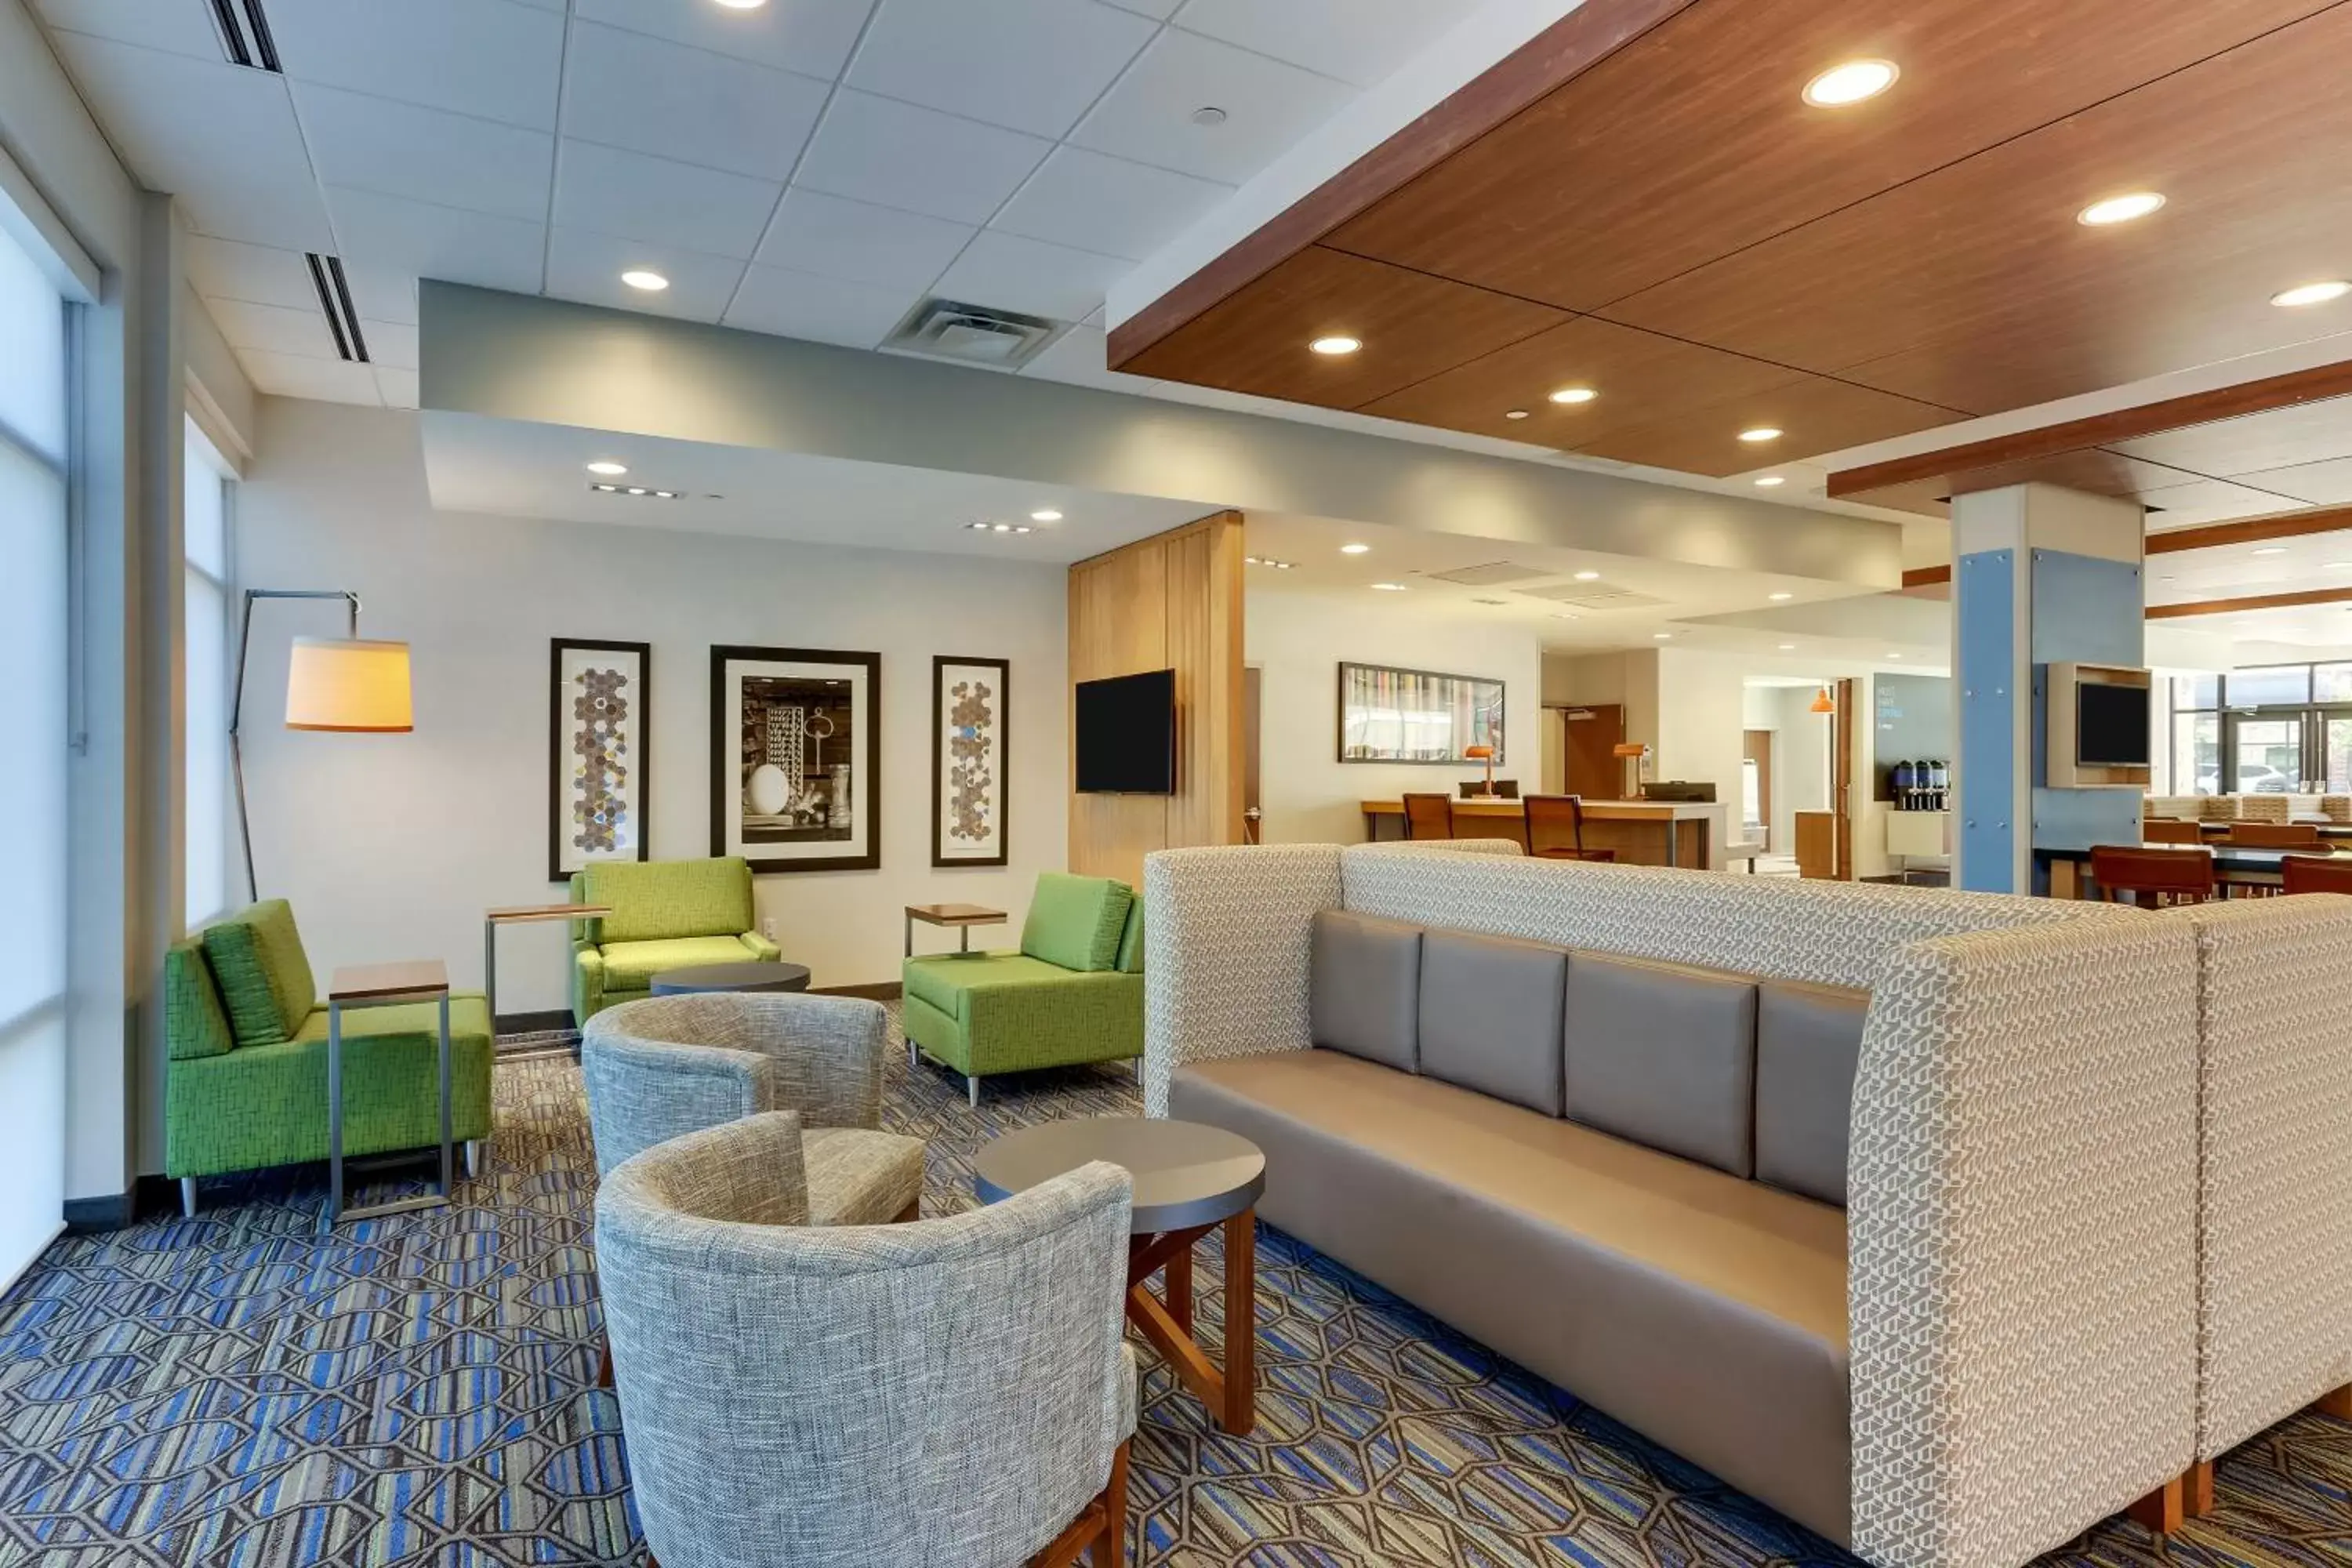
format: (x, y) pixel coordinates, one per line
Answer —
(242, 1391)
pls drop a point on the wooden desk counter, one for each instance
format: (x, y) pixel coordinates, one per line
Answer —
(1642, 832)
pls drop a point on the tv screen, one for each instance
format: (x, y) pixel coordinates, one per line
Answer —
(1127, 735)
(2111, 726)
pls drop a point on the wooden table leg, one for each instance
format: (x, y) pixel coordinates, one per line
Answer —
(1240, 1413)
(1178, 1289)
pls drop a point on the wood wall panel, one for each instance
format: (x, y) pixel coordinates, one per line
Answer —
(1173, 601)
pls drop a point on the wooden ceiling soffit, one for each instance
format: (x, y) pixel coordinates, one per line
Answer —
(1558, 55)
(2255, 602)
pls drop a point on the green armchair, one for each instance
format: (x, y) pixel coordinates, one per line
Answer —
(1073, 993)
(246, 1086)
(666, 914)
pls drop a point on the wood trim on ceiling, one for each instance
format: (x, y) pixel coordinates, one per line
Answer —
(2253, 601)
(2214, 536)
(2263, 396)
(1558, 55)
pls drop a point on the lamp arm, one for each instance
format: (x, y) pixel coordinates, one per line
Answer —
(236, 702)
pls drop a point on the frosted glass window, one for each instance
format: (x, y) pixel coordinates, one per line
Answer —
(204, 514)
(206, 507)
(33, 785)
(33, 363)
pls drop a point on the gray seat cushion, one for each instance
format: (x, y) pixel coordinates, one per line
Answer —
(1365, 998)
(1664, 1055)
(1490, 1016)
(1808, 1044)
(1707, 1312)
(856, 1177)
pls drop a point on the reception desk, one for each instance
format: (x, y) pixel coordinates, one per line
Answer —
(1640, 832)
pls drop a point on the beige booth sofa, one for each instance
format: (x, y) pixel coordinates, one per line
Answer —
(1990, 1347)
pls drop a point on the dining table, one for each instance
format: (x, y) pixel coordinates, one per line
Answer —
(2234, 865)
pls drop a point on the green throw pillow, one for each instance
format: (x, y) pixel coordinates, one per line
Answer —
(1130, 941)
(193, 1025)
(1075, 921)
(265, 979)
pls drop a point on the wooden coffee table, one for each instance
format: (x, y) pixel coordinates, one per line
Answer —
(1190, 1178)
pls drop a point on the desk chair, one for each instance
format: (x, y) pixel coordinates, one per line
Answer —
(2156, 878)
(1428, 816)
(2315, 874)
(1556, 829)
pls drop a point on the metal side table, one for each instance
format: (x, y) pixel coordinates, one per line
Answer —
(383, 985)
(522, 914)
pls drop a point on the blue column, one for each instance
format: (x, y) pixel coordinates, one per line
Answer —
(2041, 575)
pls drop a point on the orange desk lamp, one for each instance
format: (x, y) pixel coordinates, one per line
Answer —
(1483, 755)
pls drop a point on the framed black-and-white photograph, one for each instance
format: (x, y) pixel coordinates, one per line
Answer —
(795, 749)
(599, 714)
(969, 741)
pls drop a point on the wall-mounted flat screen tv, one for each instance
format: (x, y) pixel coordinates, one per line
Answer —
(1127, 735)
(2111, 726)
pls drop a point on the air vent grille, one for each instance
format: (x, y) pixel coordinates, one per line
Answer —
(245, 35)
(1489, 575)
(974, 334)
(1595, 596)
(335, 301)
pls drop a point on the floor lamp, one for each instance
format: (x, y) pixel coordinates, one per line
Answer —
(342, 684)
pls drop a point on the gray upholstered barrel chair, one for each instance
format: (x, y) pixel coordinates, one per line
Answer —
(672, 1064)
(955, 1392)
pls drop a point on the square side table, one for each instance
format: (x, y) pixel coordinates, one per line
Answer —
(383, 985)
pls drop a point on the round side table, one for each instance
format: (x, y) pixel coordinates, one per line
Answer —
(732, 977)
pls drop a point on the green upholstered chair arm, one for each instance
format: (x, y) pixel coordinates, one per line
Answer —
(587, 980)
(763, 950)
(1109, 1003)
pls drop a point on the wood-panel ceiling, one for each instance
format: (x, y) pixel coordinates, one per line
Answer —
(1672, 226)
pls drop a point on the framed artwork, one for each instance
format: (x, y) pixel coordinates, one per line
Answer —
(795, 748)
(599, 714)
(970, 734)
(1389, 715)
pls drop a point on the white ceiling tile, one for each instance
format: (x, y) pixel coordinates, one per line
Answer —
(1106, 204)
(1030, 64)
(1158, 10)
(587, 268)
(325, 380)
(222, 139)
(382, 293)
(391, 346)
(278, 328)
(1361, 41)
(1079, 357)
(398, 386)
(628, 90)
(835, 237)
(177, 29)
(811, 37)
(451, 160)
(878, 150)
(828, 310)
(225, 270)
(1015, 274)
(493, 58)
(420, 240)
(640, 197)
(1268, 106)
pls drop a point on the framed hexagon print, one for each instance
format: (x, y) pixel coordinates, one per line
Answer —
(599, 715)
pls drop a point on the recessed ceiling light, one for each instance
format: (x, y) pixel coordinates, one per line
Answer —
(1588, 576)
(1209, 114)
(610, 470)
(743, 4)
(1893, 655)
(666, 495)
(1390, 588)
(1022, 527)
(1574, 395)
(1000, 527)
(1516, 414)
(2119, 209)
(1335, 345)
(2311, 293)
(1779, 598)
(1761, 434)
(1660, 637)
(1355, 549)
(1788, 647)
(1769, 480)
(979, 527)
(1564, 615)
(2326, 566)
(637, 490)
(1045, 514)
(1850, 83)
(2271, 550)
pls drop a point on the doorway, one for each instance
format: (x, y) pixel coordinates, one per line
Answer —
(1756, 788)
(1593, 769)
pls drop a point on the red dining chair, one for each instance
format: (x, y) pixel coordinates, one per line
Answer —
(1428, 816)
(1556, 829)
(2170, 830)
(2156, 878)
(2315, 874)
(2273, 834)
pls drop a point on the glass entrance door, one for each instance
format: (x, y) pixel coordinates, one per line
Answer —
(2268, 754)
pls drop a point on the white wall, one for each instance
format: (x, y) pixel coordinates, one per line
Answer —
(1298, 641)
(391, 847)
(1800, 760)
(1701, 714)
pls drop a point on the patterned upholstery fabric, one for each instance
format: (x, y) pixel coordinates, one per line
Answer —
(2275, 1168)
(2265, 808)
(193, 1025)
(2182, 806)
(2007, 1321)
(1075, 923)
(2216, 807)
(855, 1177)
(2335, 808)
(1009, 1013)
(655, 900)
(631, 965)
(816, 1396)
(265, 978)
(266, 1105)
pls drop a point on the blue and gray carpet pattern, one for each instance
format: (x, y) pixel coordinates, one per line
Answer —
(245, 1391)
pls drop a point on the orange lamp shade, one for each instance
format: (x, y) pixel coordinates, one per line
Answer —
(1824, 703)
(1632, 749)
(1477, 754)
(349, 685)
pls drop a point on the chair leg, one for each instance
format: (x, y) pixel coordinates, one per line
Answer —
(2336, 1402)
(187, 1197)
(914, 1053)
(911, 1214)
(604, 1364)
(476, 1151)
(2198, 1486)
(2160, 1512)
(1110, 1547)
